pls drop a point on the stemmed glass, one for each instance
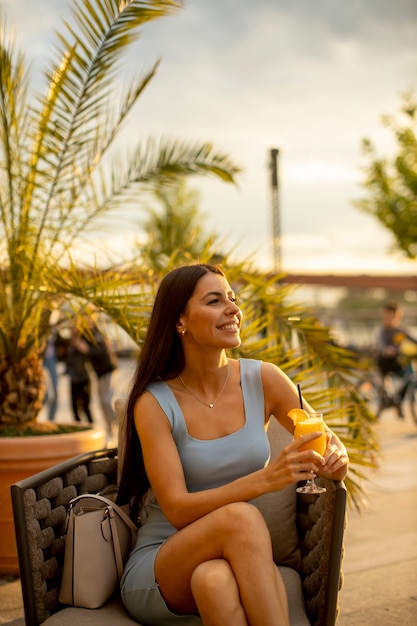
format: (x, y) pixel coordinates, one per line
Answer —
(312, 425)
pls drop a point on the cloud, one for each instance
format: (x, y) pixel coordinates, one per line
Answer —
(316, 171)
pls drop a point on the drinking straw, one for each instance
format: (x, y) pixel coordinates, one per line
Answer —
(300, 396)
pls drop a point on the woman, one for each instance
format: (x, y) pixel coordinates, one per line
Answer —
(196, 424)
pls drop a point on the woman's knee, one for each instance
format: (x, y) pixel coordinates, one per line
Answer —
(214, 587)
(245, 531)
(211, 576)
(243, 517)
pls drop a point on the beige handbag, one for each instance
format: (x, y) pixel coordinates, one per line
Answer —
(100, 537)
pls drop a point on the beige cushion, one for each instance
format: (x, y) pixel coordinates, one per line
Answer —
(114, 614)
(296, 606)
(279, 508)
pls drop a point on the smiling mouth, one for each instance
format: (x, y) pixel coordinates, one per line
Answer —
(229, 327)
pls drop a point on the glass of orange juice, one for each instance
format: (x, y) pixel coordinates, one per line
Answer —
(313, 424)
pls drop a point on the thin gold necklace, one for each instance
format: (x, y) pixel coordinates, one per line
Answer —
(209, 404)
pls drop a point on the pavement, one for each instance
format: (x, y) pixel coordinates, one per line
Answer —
(380, 562)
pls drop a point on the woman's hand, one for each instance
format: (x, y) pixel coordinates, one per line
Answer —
(293, 465)
(336, 459)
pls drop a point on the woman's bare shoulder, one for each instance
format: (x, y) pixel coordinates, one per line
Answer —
(280, 394)
(271, 372)
(148, 411)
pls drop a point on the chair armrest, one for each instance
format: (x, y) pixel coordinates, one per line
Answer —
(320, 527)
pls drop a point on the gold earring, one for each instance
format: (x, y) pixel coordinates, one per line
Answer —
(183, 331)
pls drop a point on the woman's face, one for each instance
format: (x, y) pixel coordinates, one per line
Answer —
(211, 318)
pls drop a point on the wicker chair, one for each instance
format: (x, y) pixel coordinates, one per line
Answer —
(40, 506)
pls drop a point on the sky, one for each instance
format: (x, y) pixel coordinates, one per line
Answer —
(311, 78)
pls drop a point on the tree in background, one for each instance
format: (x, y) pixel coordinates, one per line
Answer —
(61, 178)
(391, 183)
(175, 231)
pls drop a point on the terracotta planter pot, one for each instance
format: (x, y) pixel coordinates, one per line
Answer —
(21, 457)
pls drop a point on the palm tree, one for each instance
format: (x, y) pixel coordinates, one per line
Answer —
(57, 154)
(60, 177)
(174, 231)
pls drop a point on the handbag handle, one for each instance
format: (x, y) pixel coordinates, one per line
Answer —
(112, 509)
(116, 508)
(116, 544)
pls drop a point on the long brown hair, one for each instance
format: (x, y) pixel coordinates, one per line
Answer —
(161, 358)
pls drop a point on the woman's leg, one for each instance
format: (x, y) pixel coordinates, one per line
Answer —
(215, 591)
(237, 534)
(105, 395)
(85, 400)
(53, 400)
(74, 401)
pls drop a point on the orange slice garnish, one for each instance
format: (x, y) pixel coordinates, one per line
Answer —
(298, 415)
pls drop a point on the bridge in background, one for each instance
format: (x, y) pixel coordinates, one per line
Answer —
(355, 281)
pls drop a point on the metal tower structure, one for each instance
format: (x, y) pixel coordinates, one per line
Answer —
(275, 213)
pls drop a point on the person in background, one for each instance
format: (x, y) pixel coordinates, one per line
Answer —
(50, 365)
(98, 351)
(196, 452)
(77, 371)
(390, 339)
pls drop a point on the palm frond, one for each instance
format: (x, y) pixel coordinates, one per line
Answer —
(168, 159)
(81, 85)
(13, 123)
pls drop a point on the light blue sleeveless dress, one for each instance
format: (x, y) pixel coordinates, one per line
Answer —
(207, 464)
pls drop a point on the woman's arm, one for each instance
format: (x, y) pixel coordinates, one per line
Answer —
(281, 395)
(165, 473)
